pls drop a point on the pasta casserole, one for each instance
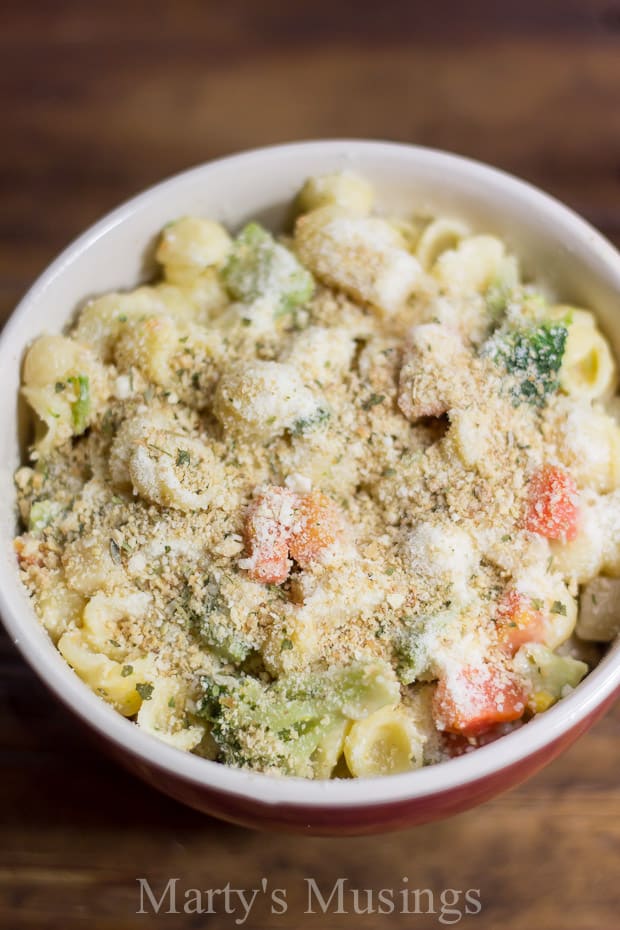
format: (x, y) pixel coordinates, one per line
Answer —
(341, 502)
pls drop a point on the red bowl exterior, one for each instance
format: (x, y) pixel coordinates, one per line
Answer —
(362, 819)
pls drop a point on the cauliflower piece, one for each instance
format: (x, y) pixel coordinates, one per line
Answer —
(260, 400)
(363, 256)
(436, 373)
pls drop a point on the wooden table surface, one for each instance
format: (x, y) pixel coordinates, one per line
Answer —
(100, 100)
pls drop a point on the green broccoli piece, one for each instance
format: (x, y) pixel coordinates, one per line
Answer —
(410, 659)
(80, 408)
(209, 618)
(294, 725)
(256, 727)
(259, 266)
(502, 287)
(215, 632)
(414, 647)
(42, 513)
(533, 356)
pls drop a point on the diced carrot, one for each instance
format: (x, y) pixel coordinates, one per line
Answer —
(552, 509)
(318, 526)
(475, 699)
(519, 621)
(272, 568)
(282, 525)
(267, 529)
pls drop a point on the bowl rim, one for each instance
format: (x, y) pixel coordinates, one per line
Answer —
(455, 774)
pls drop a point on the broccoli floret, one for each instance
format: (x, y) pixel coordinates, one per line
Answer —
(214, 630)
(256, 727)
(410, 659)
(533, 356)
(42, 513)
(260, 267)
(294, 725)
(502, 288)
(416, 644)
(207, 615)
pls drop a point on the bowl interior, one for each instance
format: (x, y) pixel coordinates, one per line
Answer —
(552, 242)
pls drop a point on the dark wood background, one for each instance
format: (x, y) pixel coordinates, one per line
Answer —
(102, 99)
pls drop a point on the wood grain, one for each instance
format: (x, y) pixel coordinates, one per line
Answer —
(101, 100)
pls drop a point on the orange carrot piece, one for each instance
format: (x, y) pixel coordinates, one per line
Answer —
(475, 699)
(552, 509)
(318, 526)
(519, 621)
(267, 530)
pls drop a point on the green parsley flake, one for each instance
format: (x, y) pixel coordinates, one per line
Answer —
(373, 401)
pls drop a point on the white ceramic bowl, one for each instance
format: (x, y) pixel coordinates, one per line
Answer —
(552, 241)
